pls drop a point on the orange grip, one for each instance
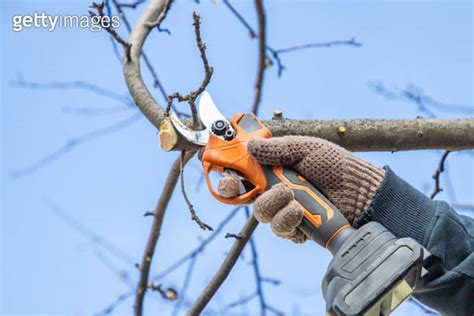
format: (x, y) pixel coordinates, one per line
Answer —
(221, 154)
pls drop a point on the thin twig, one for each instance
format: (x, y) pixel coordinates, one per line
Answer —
(92, 236)
(73, 143)
(169, 294)
(132, 5)
(262, 44)
(350, 42)
(241, 19)
(437, 189)
(93, 111)
(178, 263)
(275, 53)
(415, 95)
(159, 213)
(122, 274)
(184, 288)
(208, 70)
(109, 309)
(100, 12)
(232, 235)
(198, 250)
(72, 85)
(194, 215)
(241, 301)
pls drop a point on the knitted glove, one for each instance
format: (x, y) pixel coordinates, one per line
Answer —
(348, 181)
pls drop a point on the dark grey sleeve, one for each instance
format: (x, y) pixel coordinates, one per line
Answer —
(405, 211)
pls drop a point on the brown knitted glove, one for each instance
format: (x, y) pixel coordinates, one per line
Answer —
(348, 181)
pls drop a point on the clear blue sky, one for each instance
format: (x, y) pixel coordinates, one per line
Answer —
(109, 182)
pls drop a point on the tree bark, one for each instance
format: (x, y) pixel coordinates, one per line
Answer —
(158, 216)
(131, 68)
(383, 135)
(375, 134)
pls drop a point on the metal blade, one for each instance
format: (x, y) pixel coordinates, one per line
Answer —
(197, 137)
(208, 111)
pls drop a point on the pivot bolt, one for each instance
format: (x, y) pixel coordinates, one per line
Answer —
(229, 134)
(219, 127)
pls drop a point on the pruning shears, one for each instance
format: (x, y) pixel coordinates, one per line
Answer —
(372, 271)
(225, 151)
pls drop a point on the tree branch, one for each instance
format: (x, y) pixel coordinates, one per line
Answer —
(244, 22)
(159, 214)
(132, 5)
(100, 12)
(161, 17)
(258, 277)
(275, 53)
(437, 189)
(73, 143)
(186, 281)
(262, 44)
(361, 135)
(194, 215)
(383, 135)
(131, 68)
(156, 81)
(415, 95)
(224, 269)
(208, 70)
(246, 232)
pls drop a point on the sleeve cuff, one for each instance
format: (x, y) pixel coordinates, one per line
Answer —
(402, 209)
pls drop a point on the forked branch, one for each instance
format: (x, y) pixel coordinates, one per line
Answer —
(208, 70)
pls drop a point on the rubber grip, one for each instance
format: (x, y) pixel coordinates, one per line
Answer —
(322, 221)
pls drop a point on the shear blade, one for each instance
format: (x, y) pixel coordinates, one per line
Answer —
(208, 110)
(196, 137)
(208, 113)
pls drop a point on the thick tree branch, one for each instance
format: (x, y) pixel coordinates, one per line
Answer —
(140, 93)
(360, 135)
(159, 214)
(156, 81)
(383, 135)
(377, 134)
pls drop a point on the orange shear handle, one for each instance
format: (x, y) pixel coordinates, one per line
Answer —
(220, 154)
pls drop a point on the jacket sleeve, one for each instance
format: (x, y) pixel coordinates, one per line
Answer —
(449, 288)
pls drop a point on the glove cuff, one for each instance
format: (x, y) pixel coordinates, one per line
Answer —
(361, 180)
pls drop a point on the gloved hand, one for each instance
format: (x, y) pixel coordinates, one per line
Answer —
(348, 181)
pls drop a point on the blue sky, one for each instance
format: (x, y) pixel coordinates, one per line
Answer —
(107, 183)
